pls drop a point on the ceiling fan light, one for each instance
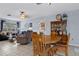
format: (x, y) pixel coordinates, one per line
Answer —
(22, 17)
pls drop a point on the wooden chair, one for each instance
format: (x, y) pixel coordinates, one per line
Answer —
(54, 38)
(62, 45)
(43, 46)
(51, 51)
(38, 44)
(39, 47)
(35, 38)
(49, 48)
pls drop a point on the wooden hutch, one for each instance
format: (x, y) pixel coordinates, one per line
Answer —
(58, 28)
(59, 32)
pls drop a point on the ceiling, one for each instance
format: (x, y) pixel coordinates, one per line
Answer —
(34, 10)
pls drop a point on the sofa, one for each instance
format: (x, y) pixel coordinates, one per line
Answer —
(25, 37)
(3, 37)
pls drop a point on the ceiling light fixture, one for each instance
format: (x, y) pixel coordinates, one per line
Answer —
(23, 15)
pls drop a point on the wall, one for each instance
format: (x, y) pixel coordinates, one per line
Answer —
(73, 26)
(24, 25)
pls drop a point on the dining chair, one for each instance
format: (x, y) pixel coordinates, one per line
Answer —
(63, 44)
(35, 43)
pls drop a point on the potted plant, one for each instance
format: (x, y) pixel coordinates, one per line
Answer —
(65, 16)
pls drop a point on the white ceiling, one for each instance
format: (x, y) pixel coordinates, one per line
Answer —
(34, 10)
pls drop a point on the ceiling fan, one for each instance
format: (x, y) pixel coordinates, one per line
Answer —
(22, 15)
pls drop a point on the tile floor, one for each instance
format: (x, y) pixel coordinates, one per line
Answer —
(12, 49)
